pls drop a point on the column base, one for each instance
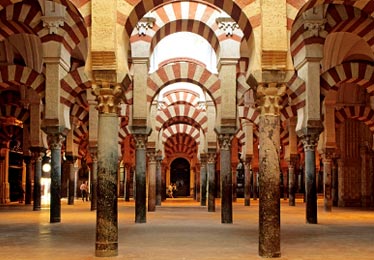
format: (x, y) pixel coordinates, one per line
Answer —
(106, 249)
(247, 202)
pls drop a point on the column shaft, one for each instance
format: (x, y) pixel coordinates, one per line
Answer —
(28, 191)
(247, 181)
(140, 179)
(203, 180)
(152, 182)
(269, 205)
(226, 178)
(292, 181)
(158, 181)
(55, 141)
(37, 180)
(71, 180)
(212, 182)
(327, 181)
(94, 183)
(310, 185)
(107, 211)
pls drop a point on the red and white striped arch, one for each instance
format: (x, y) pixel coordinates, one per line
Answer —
(181, 144)
(19, 75)
(340, 18)
(23, 18)
(249, 113)
(361, 113)
(232, 8)
(9, 110)
(181, 113)
(72, 84)
(181, 96)
(184, 72)
(181, 128)
(361, 74)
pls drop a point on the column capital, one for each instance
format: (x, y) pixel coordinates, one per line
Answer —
(211, 157)
(310, 135)
(108, 96)
(269, 97)
(55, 140)
(224, 136)
(151, 154)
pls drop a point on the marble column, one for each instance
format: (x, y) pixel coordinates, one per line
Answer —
(310, 142)
(203, 179)
(140, 137)
(292, 179)
(327, 180)
(247, 180)
(28, 190)
(55, 141)
(224, 139)
(158, 181)
(211, 159)
(108, 95)
(269, 97)
(37, 153)
(71, 159)
(152, 180)
(93, 178)
(334, 182)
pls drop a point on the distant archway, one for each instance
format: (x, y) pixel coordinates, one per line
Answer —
(180, 175)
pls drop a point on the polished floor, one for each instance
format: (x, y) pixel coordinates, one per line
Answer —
(182, 230)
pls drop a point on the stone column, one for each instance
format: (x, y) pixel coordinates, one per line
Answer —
(269, 96)
(203, 179)
(341, 175)
(37, 154)
(327, 179)
(28, 190)
(310, 141)
(152, 180)
(140, 136)
(224, 138)
(93, 177)
(197, 182)
(71, 159)
(163, 181)
(234, 180)
(365, 182)
(247, 180)
(158, 181)
(211, 158)
(55, 141)
(255, 184)
(292, 179)
(4, 182)
(334, 184)
(108, 95)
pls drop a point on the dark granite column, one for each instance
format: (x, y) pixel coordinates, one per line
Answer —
(292, 179)
(203, 179)
(55, 144)
(310, 142)
(93, 178)
(38, 154)
(211, 169)
(247, 180)
(255, 184)
(28, 190)
(158, 181)
(327, 179)
(234, 180)
(108, 95)
(197, 182)
(269, 97)
(151, 180)
(71, 159)
(224, 138)
(140, 136)
(127, 182)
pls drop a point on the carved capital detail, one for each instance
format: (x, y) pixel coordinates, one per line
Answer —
(310, 142)
(108, 96)
(227, 25)
(224, 141)
(269, 96)
(315, 28)
(55, 141)
(211, 158)
(140, 141)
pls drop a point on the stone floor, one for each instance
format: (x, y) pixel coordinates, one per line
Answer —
(182, 230)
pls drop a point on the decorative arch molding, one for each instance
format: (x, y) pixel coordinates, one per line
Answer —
(181, 143)
(179, 96)
(181, 114)
(361, 113)
(72, 84)
(233, 9)
(361, 74)
(181, 128)
(20, 75)
(249, 113)
(184, 72)
(339, 18)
